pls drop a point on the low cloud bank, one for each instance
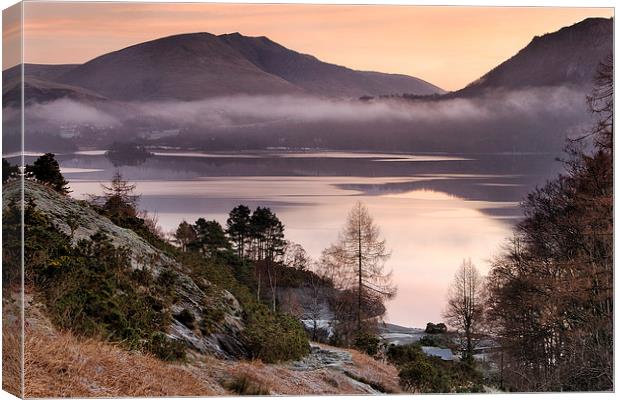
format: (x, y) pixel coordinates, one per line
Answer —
(229, 110)
(313, 121)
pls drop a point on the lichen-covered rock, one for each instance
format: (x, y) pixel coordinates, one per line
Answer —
(205, 334)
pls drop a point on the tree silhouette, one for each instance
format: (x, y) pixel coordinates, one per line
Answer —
(8, 171)
(184, 235)
(210, 238)
(465, 304)
(551, 290)
(119, 198)
(46, 170)
(238, 228)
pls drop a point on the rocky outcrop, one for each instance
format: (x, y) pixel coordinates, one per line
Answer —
(218, 336)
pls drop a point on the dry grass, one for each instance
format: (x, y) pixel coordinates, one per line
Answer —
(11, 341)
(61, 365)
(376, 372)
(11, 358)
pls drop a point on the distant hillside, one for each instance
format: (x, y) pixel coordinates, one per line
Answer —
(40, 71)
(201, 65)
(42, 91)
(40, 85)
(320, 78)
(181, 67)
(568, 56)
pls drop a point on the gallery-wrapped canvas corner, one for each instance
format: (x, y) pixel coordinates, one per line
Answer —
(205, 199)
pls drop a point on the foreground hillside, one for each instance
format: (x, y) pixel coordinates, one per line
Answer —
(61, 364)
(112, 311)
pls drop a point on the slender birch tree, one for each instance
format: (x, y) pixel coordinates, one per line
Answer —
(465, 304)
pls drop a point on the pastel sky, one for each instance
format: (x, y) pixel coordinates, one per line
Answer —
(447, 46)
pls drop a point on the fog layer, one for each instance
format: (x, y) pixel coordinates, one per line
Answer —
(536, 119)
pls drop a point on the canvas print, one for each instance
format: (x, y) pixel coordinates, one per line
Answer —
(285, 199)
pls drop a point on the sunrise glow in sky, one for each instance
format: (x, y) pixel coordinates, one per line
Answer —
(447, 46)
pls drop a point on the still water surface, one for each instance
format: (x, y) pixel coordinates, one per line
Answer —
(433, 210)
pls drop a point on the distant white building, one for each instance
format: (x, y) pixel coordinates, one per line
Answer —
(68, 132)
(444, 354)
(158, 134)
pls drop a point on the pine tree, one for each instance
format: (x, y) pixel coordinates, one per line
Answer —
(119, 198)
(238, 228)
(46, 170)
(184, 235)
(210, 238)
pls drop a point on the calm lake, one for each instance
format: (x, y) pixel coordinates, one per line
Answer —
(433, 209)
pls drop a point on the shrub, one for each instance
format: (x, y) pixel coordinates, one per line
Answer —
(11, 245)
(401, 355)
(419, 372)
(436, 328)
(244, 385)
(186, 318)
(9, 171)
(274, 337)
(211, 317)
(165, 348)
(424, 377)
(434, 340)
(367, 343)
(268, 336)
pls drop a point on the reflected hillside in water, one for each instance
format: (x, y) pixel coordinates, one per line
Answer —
(474, 177)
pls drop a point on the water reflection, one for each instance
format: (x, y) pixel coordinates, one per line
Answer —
(433, 212)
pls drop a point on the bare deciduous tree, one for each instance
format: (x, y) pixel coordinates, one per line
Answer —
(295, 256)
(465, 305)
(357, 263)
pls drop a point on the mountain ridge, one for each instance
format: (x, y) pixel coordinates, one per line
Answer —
(318, 77)
(545, 61)
(193, 66)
